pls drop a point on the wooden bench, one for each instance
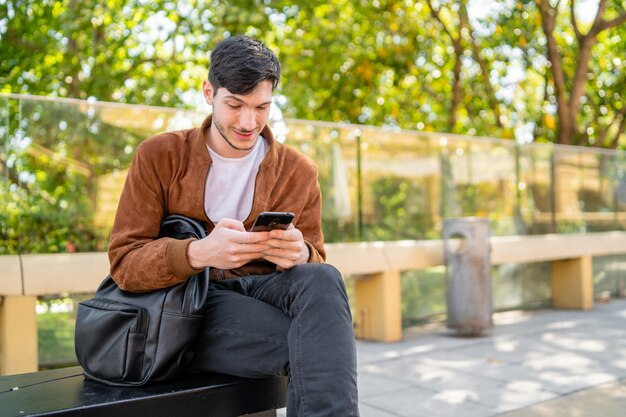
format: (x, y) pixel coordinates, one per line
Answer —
(65, 392)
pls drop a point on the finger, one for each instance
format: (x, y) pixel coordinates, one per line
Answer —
(231, 224)
(281, 244)
(281, 262)
(289, 234)
(237, 261)
(253, 237)
(290, 254)
(254, 248)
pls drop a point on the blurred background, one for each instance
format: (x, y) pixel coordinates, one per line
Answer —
(415, 111)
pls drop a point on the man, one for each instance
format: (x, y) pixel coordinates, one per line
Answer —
(275, 307)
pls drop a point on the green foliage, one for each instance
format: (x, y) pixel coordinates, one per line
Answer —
(388, 62)
(128, 51)
(400, 210)
(36, 221)
(385, 62)
(54, 157)
(600, 118)
(423, 295)
(55, 336)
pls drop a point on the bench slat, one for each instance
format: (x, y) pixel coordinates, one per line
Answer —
(65, 392)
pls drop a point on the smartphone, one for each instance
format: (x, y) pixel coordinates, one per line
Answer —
(269, 220)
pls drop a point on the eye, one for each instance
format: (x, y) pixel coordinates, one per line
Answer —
(234, 106)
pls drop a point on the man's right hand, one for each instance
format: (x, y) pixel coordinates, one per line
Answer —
(228, 246)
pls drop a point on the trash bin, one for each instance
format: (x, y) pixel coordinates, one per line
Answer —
(468, 275)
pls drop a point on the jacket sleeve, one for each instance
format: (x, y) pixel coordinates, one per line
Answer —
(140, 261)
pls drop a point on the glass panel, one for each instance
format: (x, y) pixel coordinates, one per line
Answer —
(4, 137)
(12, 191)
(534, 189)
(609, 276)
(401, 190)
(423, 295)
(521, 285)
(7, 209)
(55, 331)
(514, 286)
(63, 164)
(334, 150)
(73, 160)
(588, 184)
(485, 183)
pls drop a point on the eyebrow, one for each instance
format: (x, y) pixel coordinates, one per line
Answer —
(243, 102)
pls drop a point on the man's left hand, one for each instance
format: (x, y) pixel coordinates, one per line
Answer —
(287, 248)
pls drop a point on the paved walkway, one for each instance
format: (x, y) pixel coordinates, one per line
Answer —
(545, 363)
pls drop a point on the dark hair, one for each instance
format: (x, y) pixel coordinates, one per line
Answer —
(240, 63)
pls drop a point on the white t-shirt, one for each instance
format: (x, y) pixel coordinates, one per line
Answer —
(229, 188)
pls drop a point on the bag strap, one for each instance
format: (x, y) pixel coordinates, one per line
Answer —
(178, 226)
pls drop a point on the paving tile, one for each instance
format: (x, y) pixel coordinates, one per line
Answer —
(608, 400)
(370, 384)
(366, 410)
(561, 373)
(409, 370)
(455, 380)
(413, 344)
(510, 349)
(547, 363)
(419, 402)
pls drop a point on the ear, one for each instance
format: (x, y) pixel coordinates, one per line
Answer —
(207, 92)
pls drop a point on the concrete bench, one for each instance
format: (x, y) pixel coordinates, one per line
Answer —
(65, 392)
(374, 267)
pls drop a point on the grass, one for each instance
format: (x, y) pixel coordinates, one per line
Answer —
(55, 339)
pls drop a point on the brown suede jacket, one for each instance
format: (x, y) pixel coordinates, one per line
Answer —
(167, 176)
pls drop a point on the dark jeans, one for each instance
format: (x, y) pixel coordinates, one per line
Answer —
(294, 323)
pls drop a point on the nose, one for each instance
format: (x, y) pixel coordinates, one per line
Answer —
(247, 120)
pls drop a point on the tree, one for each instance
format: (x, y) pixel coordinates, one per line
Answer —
(387, 63)
(128, 51)
(460, 35)
(434, 65)
(569, 94)
(120, 50)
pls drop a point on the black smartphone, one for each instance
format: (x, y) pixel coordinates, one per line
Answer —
(268, 220)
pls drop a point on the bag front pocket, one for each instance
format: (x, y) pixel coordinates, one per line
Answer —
(110, 339)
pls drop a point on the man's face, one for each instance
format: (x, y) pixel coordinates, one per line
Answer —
(237, 119)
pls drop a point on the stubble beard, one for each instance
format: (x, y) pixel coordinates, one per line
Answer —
(220, 129)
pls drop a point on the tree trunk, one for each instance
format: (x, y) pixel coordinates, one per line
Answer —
(566, 125)
(457, 88)
(483, 68)
(580, 78)
(457, 92)
(568, 109)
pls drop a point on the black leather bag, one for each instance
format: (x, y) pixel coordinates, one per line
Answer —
(129, 339)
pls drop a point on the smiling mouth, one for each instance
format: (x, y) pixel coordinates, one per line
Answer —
(245, 133)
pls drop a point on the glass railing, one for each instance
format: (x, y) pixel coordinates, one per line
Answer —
(63, 163)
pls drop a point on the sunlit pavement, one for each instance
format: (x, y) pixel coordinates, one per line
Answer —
(545, 363)
(542, 363)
